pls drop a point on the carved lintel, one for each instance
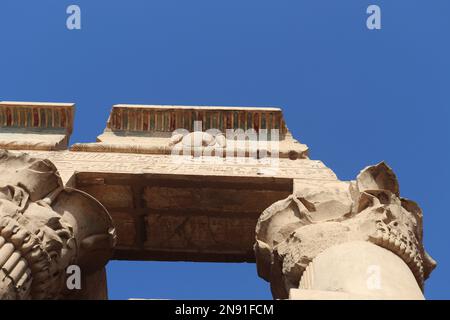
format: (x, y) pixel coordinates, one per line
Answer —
(205, 131)
(35, 125)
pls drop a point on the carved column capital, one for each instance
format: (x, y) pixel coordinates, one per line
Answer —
(44, 227)
(291, 233)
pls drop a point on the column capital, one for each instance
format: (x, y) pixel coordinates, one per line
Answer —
(292, 232)
(44, 228)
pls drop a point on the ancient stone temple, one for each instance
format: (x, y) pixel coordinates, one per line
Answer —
(177, 183)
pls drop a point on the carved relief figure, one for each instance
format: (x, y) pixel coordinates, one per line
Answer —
(199, 139)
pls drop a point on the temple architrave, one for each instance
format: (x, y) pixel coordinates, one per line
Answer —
(182, 183)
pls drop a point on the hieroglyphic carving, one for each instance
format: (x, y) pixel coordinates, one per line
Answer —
(164, 164)
(149, 129)
(43, 225)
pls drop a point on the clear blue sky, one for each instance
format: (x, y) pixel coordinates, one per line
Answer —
(354, 96)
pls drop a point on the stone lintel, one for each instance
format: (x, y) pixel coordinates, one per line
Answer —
(149, 129)
(35, 125)
(195, 211)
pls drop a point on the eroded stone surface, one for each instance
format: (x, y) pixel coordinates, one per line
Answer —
(197, 209)
(35, 126)
(292, 232)
(44, 227)
(193, 130)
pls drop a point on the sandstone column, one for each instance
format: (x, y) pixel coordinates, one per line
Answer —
(344, 240)
(45, 227)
